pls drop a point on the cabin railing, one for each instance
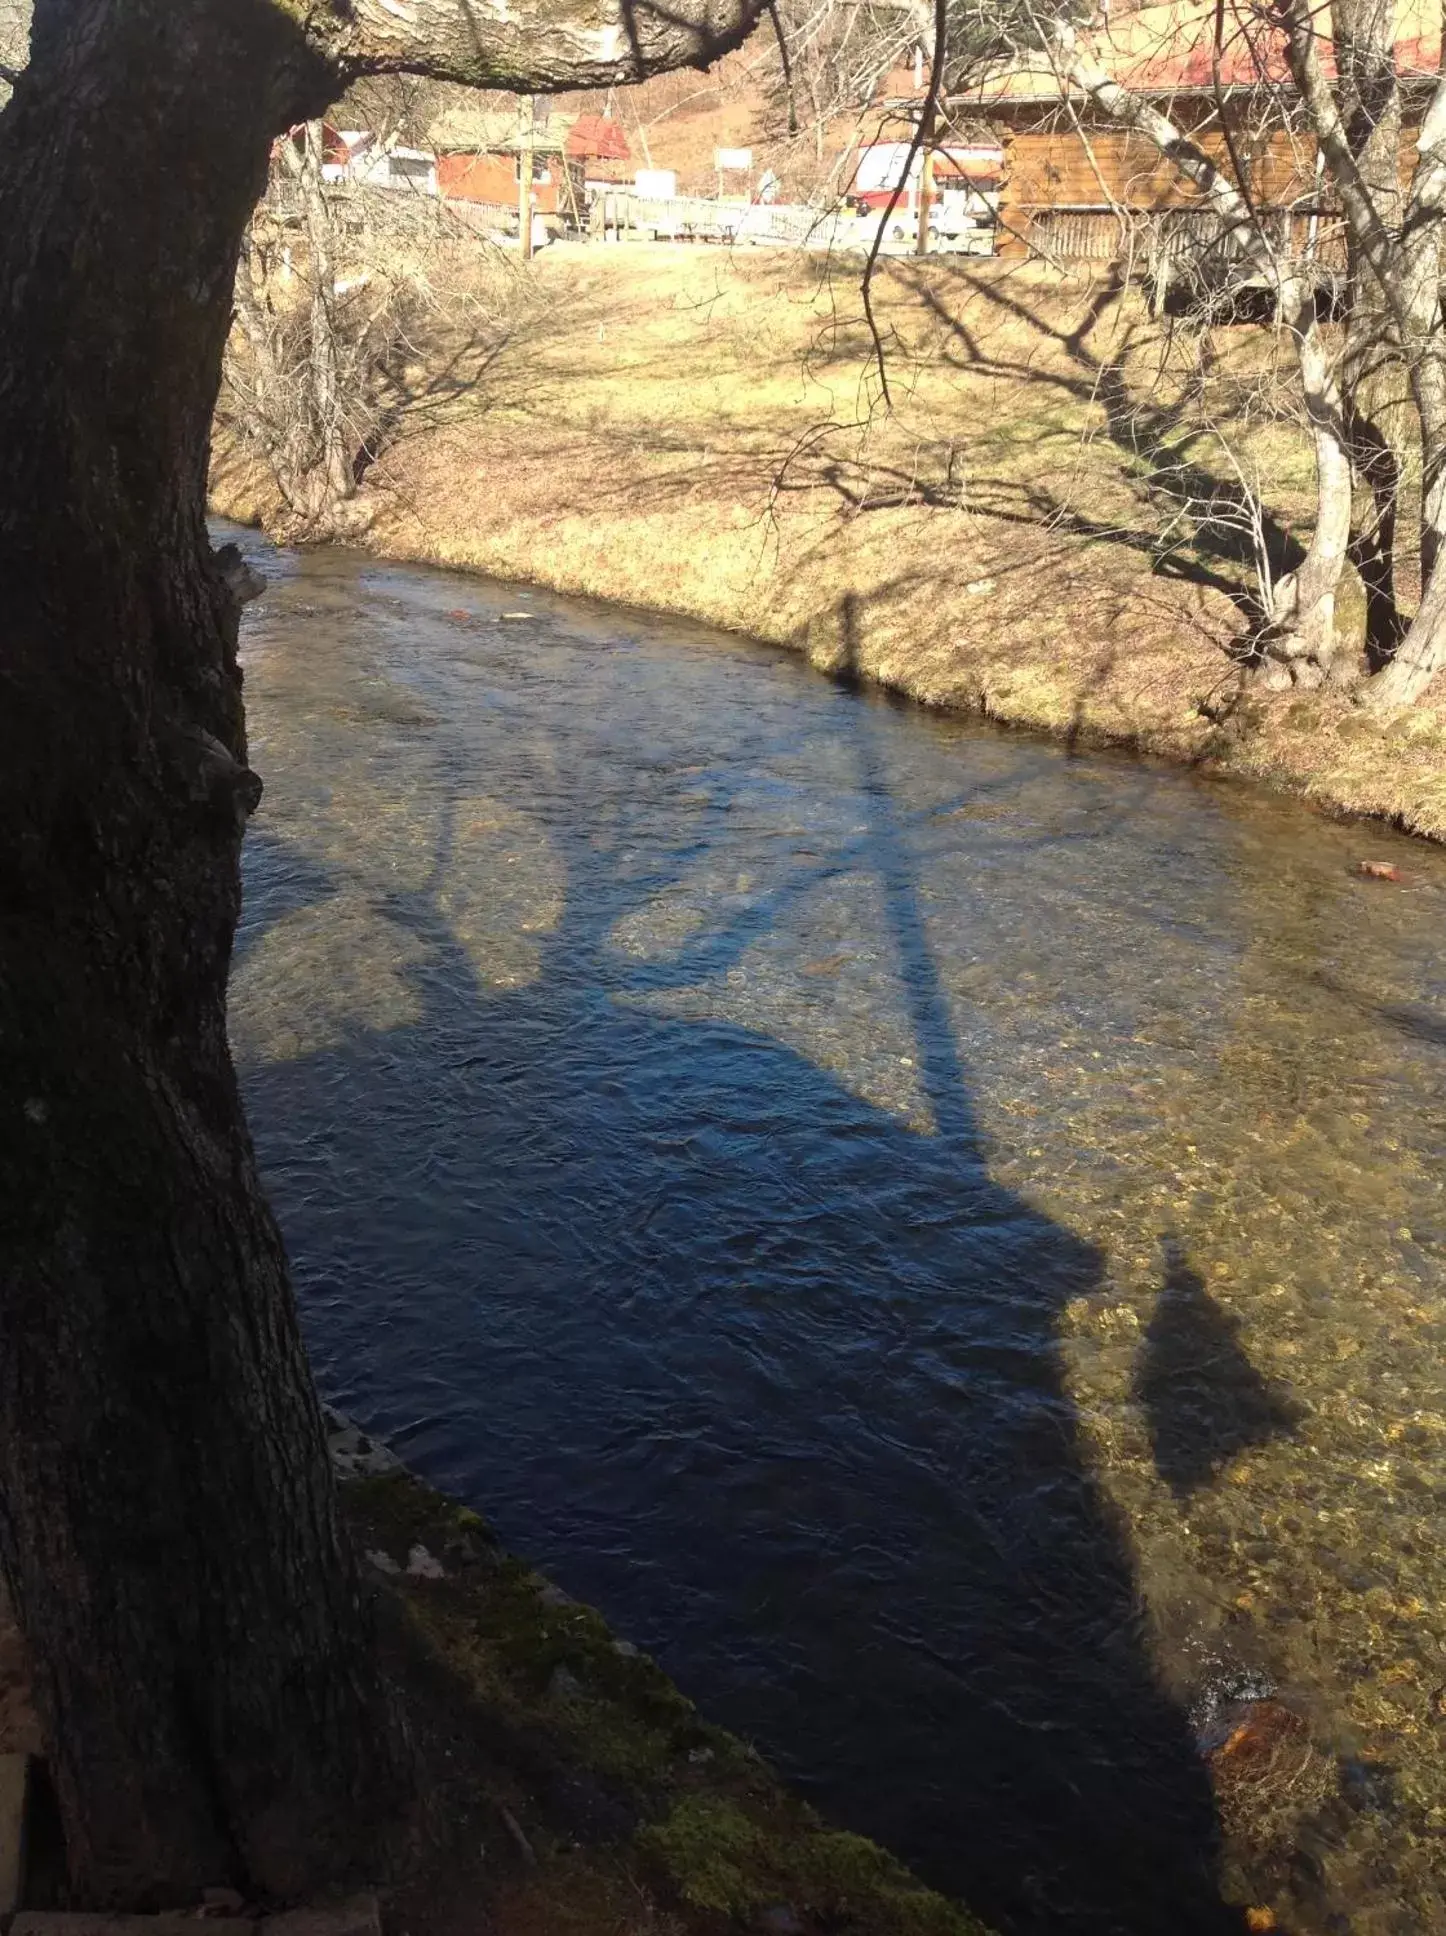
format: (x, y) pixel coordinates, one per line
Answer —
(1176, 244)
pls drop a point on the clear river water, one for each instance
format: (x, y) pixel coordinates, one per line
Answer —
(939, 1238)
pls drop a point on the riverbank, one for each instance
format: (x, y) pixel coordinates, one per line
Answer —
(584, 1794)
(575, 1791)
(1005, 1186)
(700, 434)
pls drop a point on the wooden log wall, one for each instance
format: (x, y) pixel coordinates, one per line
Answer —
(1100, 193)
(1063, 170)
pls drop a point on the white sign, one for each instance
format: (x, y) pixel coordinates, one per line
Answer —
(740, 159)
(656, 184)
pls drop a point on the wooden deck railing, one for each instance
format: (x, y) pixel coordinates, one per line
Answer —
(1170, 244)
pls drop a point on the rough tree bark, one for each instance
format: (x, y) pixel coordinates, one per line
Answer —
(168, 1526)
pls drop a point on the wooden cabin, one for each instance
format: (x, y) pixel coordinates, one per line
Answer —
(479, 159)
(1097, 192)
(1077, 186)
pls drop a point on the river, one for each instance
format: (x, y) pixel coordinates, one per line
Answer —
(939, 1237)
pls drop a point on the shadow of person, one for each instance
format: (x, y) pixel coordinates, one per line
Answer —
(1203, 1400)
(770, 1376)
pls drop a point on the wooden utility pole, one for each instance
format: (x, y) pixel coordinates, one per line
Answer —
(524, 176)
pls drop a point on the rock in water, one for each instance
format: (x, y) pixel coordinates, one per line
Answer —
(242, 579)
(353, 1454)
(1266, 1769)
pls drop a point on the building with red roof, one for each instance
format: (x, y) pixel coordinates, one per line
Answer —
(600, 146)
(1076, 184)
(479, 151)
(597, 137)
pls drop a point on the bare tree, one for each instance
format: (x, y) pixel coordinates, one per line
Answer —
(833, 58)
(330, 471)
(168, 1526)
(1354, 118)
(391, 107)
(342, 292)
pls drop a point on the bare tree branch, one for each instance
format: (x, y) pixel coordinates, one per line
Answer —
(1303, 602)
(532, 49)
(922, 131)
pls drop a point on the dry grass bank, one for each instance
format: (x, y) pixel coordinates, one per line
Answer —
(1019, 536)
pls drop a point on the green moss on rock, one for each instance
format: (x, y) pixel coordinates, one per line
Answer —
(718, 1854)
(712, 1855)
(694, 1816)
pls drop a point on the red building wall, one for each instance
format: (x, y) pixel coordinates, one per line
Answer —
(493, 178)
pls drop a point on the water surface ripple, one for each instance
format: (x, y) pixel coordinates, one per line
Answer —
(939, 1238)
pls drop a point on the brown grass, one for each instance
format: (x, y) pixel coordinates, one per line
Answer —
(699, 433)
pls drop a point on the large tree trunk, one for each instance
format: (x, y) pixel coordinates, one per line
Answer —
(1302, 642)
(168, 1524)
(1421, 655)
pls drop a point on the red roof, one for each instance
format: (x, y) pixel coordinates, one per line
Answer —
(1159, 46)
(595, 137)
(333, 148)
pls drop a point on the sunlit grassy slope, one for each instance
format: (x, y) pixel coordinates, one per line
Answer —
(1019, 532)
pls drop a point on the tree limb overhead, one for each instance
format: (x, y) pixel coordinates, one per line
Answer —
(533, 45)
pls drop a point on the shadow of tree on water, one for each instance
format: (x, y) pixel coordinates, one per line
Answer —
(772, 1378)
(1203, 1400)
